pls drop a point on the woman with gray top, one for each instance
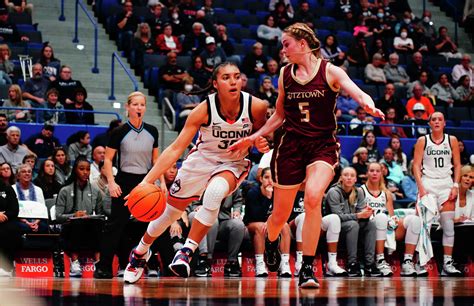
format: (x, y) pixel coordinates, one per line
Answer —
(80, 146)
(348, 202)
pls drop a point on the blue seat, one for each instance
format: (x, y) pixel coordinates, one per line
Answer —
(358, 82)
(446, 70)
(248, 43)
(220, 10)
(322, 33)
(25, 28)
(184, 61)
(226, 18)
(344, 37)
(154, 60)
(261, 16)
(249, 20)
(240, 13)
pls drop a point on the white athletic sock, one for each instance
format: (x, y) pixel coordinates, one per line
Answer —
(285, 258)
(379, 257)
(258, 258)
(299, 256)
(142, 247)
(447, 258)
(408, 257)
(191, 244)
(332, 258)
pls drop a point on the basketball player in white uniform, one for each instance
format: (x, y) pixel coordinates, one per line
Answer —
(436, 156)
(380, 200)
(210, 171)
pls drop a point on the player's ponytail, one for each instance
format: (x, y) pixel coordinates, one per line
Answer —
(301, 31)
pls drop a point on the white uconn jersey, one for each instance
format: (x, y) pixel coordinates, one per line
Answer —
(215, 138)
(437, 158)
(378, 204)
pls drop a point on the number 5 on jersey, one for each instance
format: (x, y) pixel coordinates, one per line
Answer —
(303, 106)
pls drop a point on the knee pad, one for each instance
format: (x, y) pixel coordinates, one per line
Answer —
(215, 193)
(332, 223)
(158, 226)
(206, 216)
(299, 221)
(381, 221)
(412, 225)
(447, 223)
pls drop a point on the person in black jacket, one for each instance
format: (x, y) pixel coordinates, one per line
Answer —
(10, 239)
(80, 104)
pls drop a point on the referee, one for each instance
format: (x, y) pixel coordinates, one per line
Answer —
(136, 146)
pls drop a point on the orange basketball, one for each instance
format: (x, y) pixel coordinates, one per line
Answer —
(146, 202)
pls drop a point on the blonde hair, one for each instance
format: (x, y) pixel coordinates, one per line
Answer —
(19, 100)
(133, 95)
(301, 31)
(353, 195)
(466, 169)
(381, 186)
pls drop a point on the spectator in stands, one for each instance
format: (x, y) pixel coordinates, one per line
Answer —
(98, 156)
(209, 10)
(80, 104)
(389, 131)
(31, 159)
(200, 75)
(175, 20)
(444, 92)
(418, 112)
(194, 41)
(208, 27)
(464, 68)
(362, 123)
(361, 156)
(464, 202)
(212, 55)
(398, 155)
(43, 143)
(5, 64)
(268, 33)
(54, 113)
(304, 14)
(167, 42)
(103, 138)
(422, 43)
(186, 100)
(13, 152)
(272, 72)
(468, 15)
(100, 183)
(5, 78)
(406, 22)
(245, 86)
(282, 15)
(403, 44)
(3, 129)
(79, 199)
(254, 62)
(61, 163)
(27, 191)
(424, 101)
(46, 179)
(417, 66)
(346, 106)
(423, 82)
(223, 41)
(80, 145)
(143, 44)
(379, 46)
(229, 229)
(389, 99)
(408, 184)
(10, 239)
(382, 25)
(267, 92)
(395, 73)
(35, 88)
(15, 100)
(65, 85)
(172, 75)
(7, 174)
(8, 30)
(443, 45)
(465, 91)
(287, 3)
(428, 26)
(332, 52)
(51, 65)
(374, 73)
(396, 172)
(369, 141)
(463, 152)
(258, 202)
(19, 6)
(188, 12)
(348, 202)
(345, 9)
(157, 19)
(127, 25)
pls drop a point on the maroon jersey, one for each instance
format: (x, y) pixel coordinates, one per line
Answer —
(310, 109)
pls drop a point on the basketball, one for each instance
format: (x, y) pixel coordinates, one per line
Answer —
(146, 202)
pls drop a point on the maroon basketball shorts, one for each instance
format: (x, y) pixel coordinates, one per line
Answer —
(293, 153)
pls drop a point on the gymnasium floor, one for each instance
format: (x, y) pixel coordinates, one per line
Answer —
(244, 291)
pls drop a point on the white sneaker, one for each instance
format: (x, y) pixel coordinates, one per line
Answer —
(285, 270)
(334, 270)
(75, 270)
(408, 268)
(297, 268)
(152, 273)
(384, 268)
(135, 267)
(5, 273)
(120, 273)
(450, 270)
(261, 270)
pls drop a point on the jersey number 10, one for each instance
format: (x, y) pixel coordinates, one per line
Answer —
(439, 162)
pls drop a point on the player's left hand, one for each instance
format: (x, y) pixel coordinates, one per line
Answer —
(453, 194)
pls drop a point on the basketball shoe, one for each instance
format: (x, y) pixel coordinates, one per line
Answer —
(135, 267)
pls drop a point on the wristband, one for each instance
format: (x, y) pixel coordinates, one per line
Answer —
(456, 185)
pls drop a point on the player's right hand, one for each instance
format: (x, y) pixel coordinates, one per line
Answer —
(242, 145)
(261, 143)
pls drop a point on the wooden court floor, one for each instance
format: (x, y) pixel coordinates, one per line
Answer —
(244, 291)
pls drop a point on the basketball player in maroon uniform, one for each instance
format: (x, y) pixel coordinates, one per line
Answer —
(307, 148)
